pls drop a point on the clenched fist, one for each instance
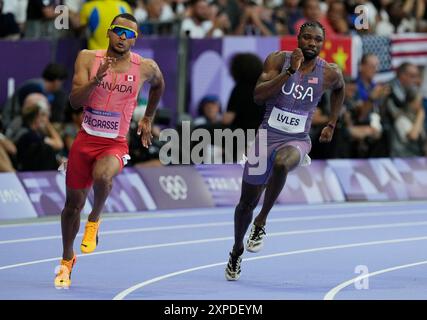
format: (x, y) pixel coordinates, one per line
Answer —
(297, 58)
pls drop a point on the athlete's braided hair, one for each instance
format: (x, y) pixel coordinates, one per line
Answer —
(312, 24)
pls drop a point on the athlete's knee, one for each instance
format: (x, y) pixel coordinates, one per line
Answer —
(103, 179)
(281, 166)
(284, 163)
(72, 208)
(246, 206)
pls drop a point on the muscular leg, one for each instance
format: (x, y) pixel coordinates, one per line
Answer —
(103, 172)
(70, 219)
(286, 159)
(243, 213)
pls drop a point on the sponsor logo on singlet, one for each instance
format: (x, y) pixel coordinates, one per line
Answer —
(299, 92)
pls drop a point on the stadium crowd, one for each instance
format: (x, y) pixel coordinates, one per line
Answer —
(208, 18)
(378, 119)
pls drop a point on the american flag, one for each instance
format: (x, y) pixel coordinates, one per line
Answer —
(380, 46)
(313, 80)
(409, 47)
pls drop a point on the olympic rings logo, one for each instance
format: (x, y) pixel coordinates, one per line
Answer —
(175, 186)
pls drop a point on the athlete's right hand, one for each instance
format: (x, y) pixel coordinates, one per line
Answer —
(104, 67)
(144, 130)
(297, 58)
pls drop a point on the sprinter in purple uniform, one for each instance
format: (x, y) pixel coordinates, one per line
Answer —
(290, 86)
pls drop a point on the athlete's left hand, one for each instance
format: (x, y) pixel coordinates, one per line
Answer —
(326, 134)
(144, 128)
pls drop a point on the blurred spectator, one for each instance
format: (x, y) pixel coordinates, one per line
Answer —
(407, 75)
(255, 19)
(369, 92)
(382, 18)
(324, 5)
(198, 25)
(159, 18)
(231, 9)
(367, 112)
(337, 17)
(138, 9)
(416, 9)
(7, 150)
(319, 120)
(74, 7)
(72, 128)
(210, 118)
(37, 150)
(178, 7)
(16, 128)
(350, 98)
(19, 10)
(140, 156)
(50, 85)
(340, 146)
(406, 81)
(408, 136)
(9, 29)
(242, 111)
(286, 15)
(40, 19)
(153, 9)
(359, 134)
(97, 16)
(209, 113)
(167, 13)
(312, 12)
(223, 21)
(396, 19)
(421, 15)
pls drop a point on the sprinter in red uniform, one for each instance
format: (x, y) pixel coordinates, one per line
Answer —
(106, 84)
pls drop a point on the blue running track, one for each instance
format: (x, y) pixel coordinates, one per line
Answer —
(310, 252)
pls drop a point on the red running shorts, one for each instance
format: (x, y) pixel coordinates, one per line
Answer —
(86, 149)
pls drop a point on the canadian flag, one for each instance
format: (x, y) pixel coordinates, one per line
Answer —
(130, 77)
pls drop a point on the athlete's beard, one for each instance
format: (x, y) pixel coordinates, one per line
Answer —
(121, 53)
(309, 56)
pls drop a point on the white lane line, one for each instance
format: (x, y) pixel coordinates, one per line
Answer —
(208, 240)
(226, 223)
(125, 231)
(161, 245)
(228, 210)
(333, 292)
(124, 293)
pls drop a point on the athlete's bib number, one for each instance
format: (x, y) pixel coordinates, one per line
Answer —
(101, 123)
(287, 121)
